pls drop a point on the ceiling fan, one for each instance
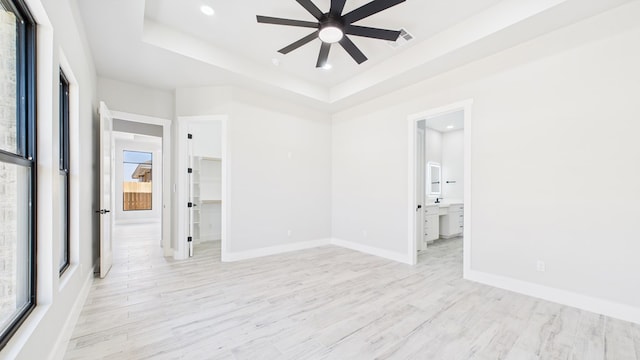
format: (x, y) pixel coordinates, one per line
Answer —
(333, 27)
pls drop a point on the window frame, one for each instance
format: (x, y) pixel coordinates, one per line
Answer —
(65, 167)
(25, 154)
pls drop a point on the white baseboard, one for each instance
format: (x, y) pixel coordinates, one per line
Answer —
(273, 250)
(391, 255)
(60, 347)
(580, 301)
(167, 252)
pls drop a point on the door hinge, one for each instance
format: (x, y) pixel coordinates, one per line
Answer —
(189, 239)
(189, 136)
(189, 170)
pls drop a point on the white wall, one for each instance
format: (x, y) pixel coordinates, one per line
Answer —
(143, 144)
(210, 179)
(548, 117)
(279, 166)
(453, 165)
(211, 189)
(136, 99)
(433, 146)
(207, 138)
(210, 222)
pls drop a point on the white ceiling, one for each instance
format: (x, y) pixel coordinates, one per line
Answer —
(234, 28)
(170, 44)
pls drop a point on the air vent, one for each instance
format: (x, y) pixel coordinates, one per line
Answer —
(404, 38)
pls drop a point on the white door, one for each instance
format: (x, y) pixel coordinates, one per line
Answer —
(420, 189)
(107, 190)
(193, 194)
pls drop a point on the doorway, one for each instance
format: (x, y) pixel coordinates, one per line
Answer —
(201, 169)
(139, 139)
(440, 173)
(133, 127)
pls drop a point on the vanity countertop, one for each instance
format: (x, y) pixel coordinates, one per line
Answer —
(444, 205)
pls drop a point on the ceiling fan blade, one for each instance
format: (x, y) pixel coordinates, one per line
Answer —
(336, 7)
(324, 55)
(311, 8)
(299, 43)
(289, 22)
(369, 32)
(353, 50)
(369, 9)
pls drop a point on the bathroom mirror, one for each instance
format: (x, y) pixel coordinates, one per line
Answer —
(434, 179)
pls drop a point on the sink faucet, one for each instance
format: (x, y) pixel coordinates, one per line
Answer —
(437, 200)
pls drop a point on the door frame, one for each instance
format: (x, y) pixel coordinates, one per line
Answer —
(106, 209)
(182, 246)
(166, 170)
(420, 172)
(466, 106)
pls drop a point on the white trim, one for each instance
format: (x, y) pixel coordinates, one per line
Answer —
(224, 207)
(466, 106)
(140, 118)
(273, 250)
(391, 255)
(564, 297)
(60, 346)
(302, 245)
(166, 171)
(24, 333)
(74, 169)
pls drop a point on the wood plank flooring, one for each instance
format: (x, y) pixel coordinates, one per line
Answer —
(324, 303)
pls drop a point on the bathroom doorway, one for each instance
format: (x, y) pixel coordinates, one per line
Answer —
(441, 169)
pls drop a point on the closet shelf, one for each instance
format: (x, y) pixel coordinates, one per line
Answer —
(211, 201)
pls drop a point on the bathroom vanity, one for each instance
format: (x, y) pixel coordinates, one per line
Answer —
(443, 220)
(431, 222)
(451, 220)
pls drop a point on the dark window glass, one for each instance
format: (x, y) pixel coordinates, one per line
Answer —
(17, 166)
(64, 173)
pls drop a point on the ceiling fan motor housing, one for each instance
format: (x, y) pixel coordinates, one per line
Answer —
(331, 29)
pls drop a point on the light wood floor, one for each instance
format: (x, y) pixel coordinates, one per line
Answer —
(325, 303)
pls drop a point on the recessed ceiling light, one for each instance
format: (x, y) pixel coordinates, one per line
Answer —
(275, 61)
(450, 127)
(207, 10)
(327, 66)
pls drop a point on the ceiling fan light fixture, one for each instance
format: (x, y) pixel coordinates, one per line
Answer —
(207, 10)
(331, 34)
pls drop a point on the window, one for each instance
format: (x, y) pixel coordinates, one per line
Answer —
(137, 188)
(64, 173)
(17, 166)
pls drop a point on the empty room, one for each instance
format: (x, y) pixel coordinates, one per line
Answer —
(319, 179)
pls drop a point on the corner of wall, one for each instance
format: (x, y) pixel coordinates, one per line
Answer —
(580, 301)
(386, 254)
